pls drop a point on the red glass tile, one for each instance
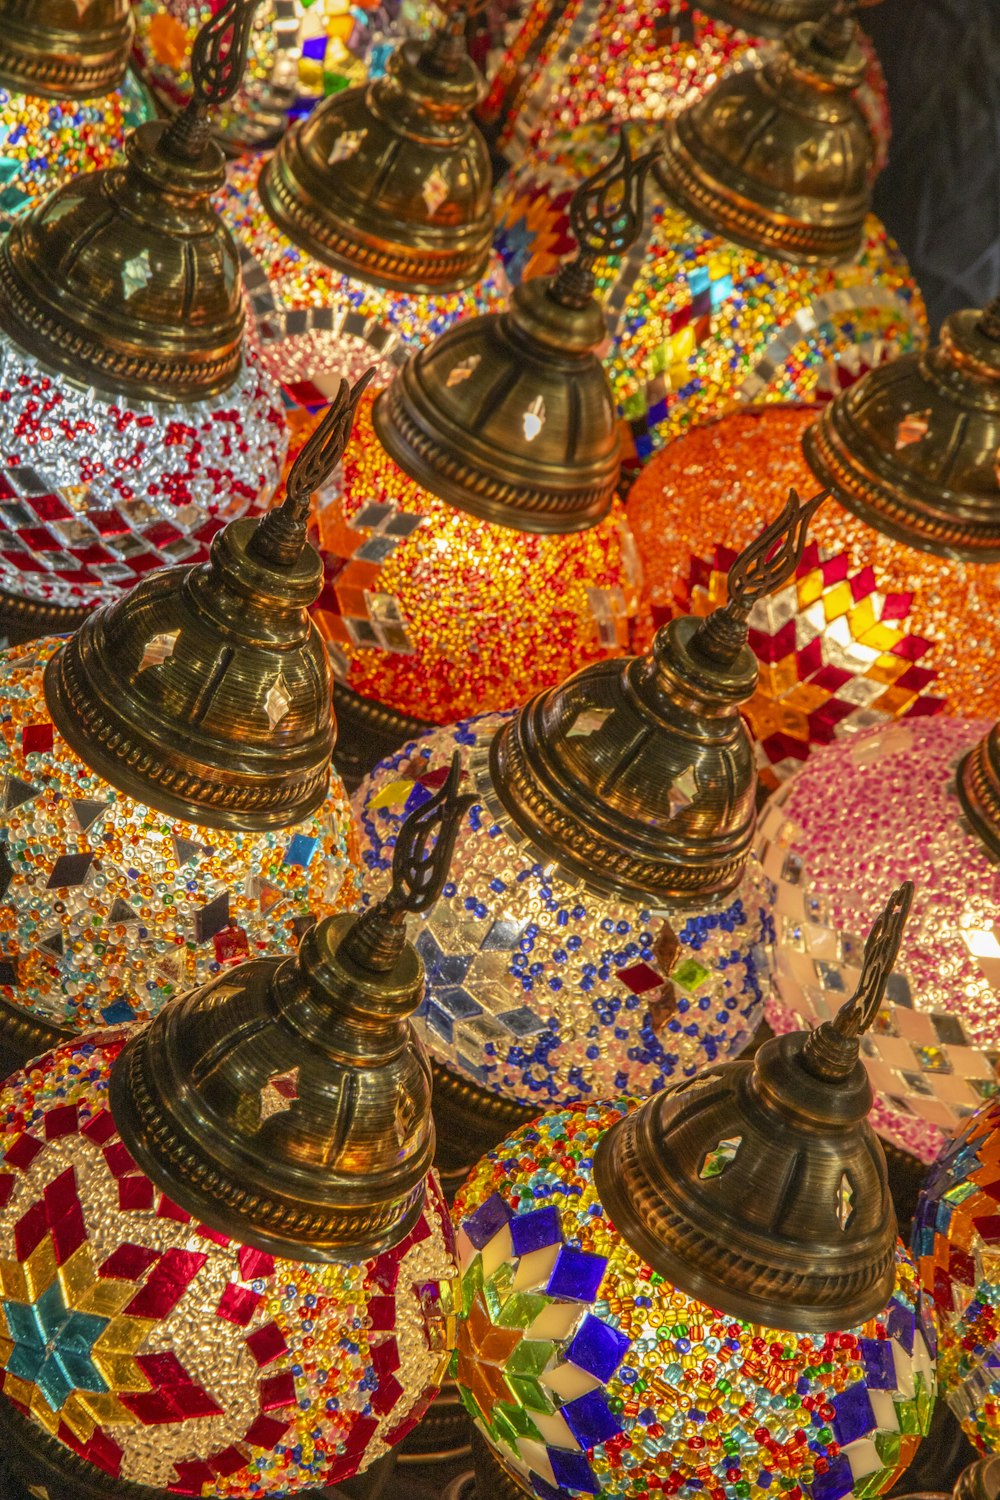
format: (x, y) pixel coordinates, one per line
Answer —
(254, 1263)
(119, 1159)
(237, 1304)
(128, 1262)
(135, 1193)
(265, 1432)
(100, 1128)
(167, 1284)
(277, 1391)
(38, 739)
(229, 1461)
(60, 1121)
(30, 1229)
(639, 978)
(22, 1151)
(266, 1343)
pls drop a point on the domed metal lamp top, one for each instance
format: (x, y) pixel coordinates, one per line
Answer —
(760, 1187)
(510, 416)
(61, 50)
(391, 182)
(773, 18)
(778, 157)
(287, 1102)
(206, 691)
(638, 775)
(127, 279)
(911, 448)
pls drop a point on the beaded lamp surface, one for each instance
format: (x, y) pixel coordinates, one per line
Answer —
(591, 1368)
(237, 1276)
(717, 303)
(870, 630)
(368, 232)
(168, 803)
(603, 928)
(133, 422)
(873, 805)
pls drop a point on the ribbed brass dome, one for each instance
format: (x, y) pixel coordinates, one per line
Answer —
(206, 692)
(510, 416)
(639, 774)
(765, 17)
(126, 278)
(912, 447)
(794, 1227)
(287, 1103)
(392, 182)
(778, 157)
(60, 49)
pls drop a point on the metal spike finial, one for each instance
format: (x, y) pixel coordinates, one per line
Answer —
(218, 58)
(446, 47)
(606, 215)
(281, 534)
(420, 861)
(989, 320)
(837, 29)
(763, 566)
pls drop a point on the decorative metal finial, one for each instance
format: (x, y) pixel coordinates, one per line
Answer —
(218, 58)
(836, 30)
(831, 1051)
(446, 48)
(989, 320)
(606, 215)
(281, 534)
(763, 566)
(420, 860)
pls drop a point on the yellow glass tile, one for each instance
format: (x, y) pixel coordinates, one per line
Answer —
(862, 618)
(837, 601)
(809, 588)
(881, 637)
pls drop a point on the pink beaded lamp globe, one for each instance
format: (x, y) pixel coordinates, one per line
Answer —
(226, 1262)
(919, 796)
(702, 1293)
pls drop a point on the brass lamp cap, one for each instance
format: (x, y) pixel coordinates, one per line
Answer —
(392, 181)
(287, 1102)
(760, 1187)
(510, 416)
(639, 775)
(206, 692)
(778, 157)
(978, 785)
(127, 278)
(765, 17)
(911, 448)
(60, 50)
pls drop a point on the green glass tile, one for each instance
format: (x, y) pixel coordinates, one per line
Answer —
(518, 1418)
(503, 1427)
(521, 1310)
(529, 1392)
(472, 1282)
(872, 1484)
(907, 1416)
(530, 1357)
(502, 1280)
(690, 974)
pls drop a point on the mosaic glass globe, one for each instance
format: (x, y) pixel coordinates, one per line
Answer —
(955, 1248)
(109, 907)
(540, 989)
(589, 1373)
(438, 614)
(877, 805)
(870, 629)
(171, 1355)
(700, 323)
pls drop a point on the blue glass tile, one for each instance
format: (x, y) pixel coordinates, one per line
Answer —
(597, 1348)
(427, 946)
(571, 1471)
(522, 1021)
(457, 1002)
(544, 1490)
(488, 1219)
(314, 47)
(576, 1274)
(880, 1367)
(418, 796)
(119, 1013)
(504, 935)
(535, 1230)
(439, 1021)
(300, 849)
(450, 968)
(854, 1416)
(900, 1324)
(837, 1482)
(590, 1419)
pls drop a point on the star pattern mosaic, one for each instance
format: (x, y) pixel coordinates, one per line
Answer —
(541, 989)
(590, 1374)
(170, 1355)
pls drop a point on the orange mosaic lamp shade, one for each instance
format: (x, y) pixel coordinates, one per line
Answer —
(871, 630)
(440, 615)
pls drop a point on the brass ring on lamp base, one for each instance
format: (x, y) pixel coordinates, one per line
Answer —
(24, 1036)
(39, 1462)
(469, 1121)
(368, 731)
(23, 620)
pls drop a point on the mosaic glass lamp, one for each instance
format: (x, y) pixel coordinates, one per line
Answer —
(301, 51)
(67, 96)
(759, 268)
(704, 1294)
(227, 1265)
(474, 547)
(604, 929)
(369, 230)
(923, 794)
(133, 420)
(569, 65)
(895, 612)
(168, 804)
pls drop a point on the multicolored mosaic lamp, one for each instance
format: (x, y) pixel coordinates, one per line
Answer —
(369, 229)
(921, 795)
(301, 51)
(167, 807)
(704, 1294)
(895, 611)
(604, 929)
(226, 1263)
(474, 548)
(67, 96)
(133, 421)
(955, 1244)
(759, 272)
